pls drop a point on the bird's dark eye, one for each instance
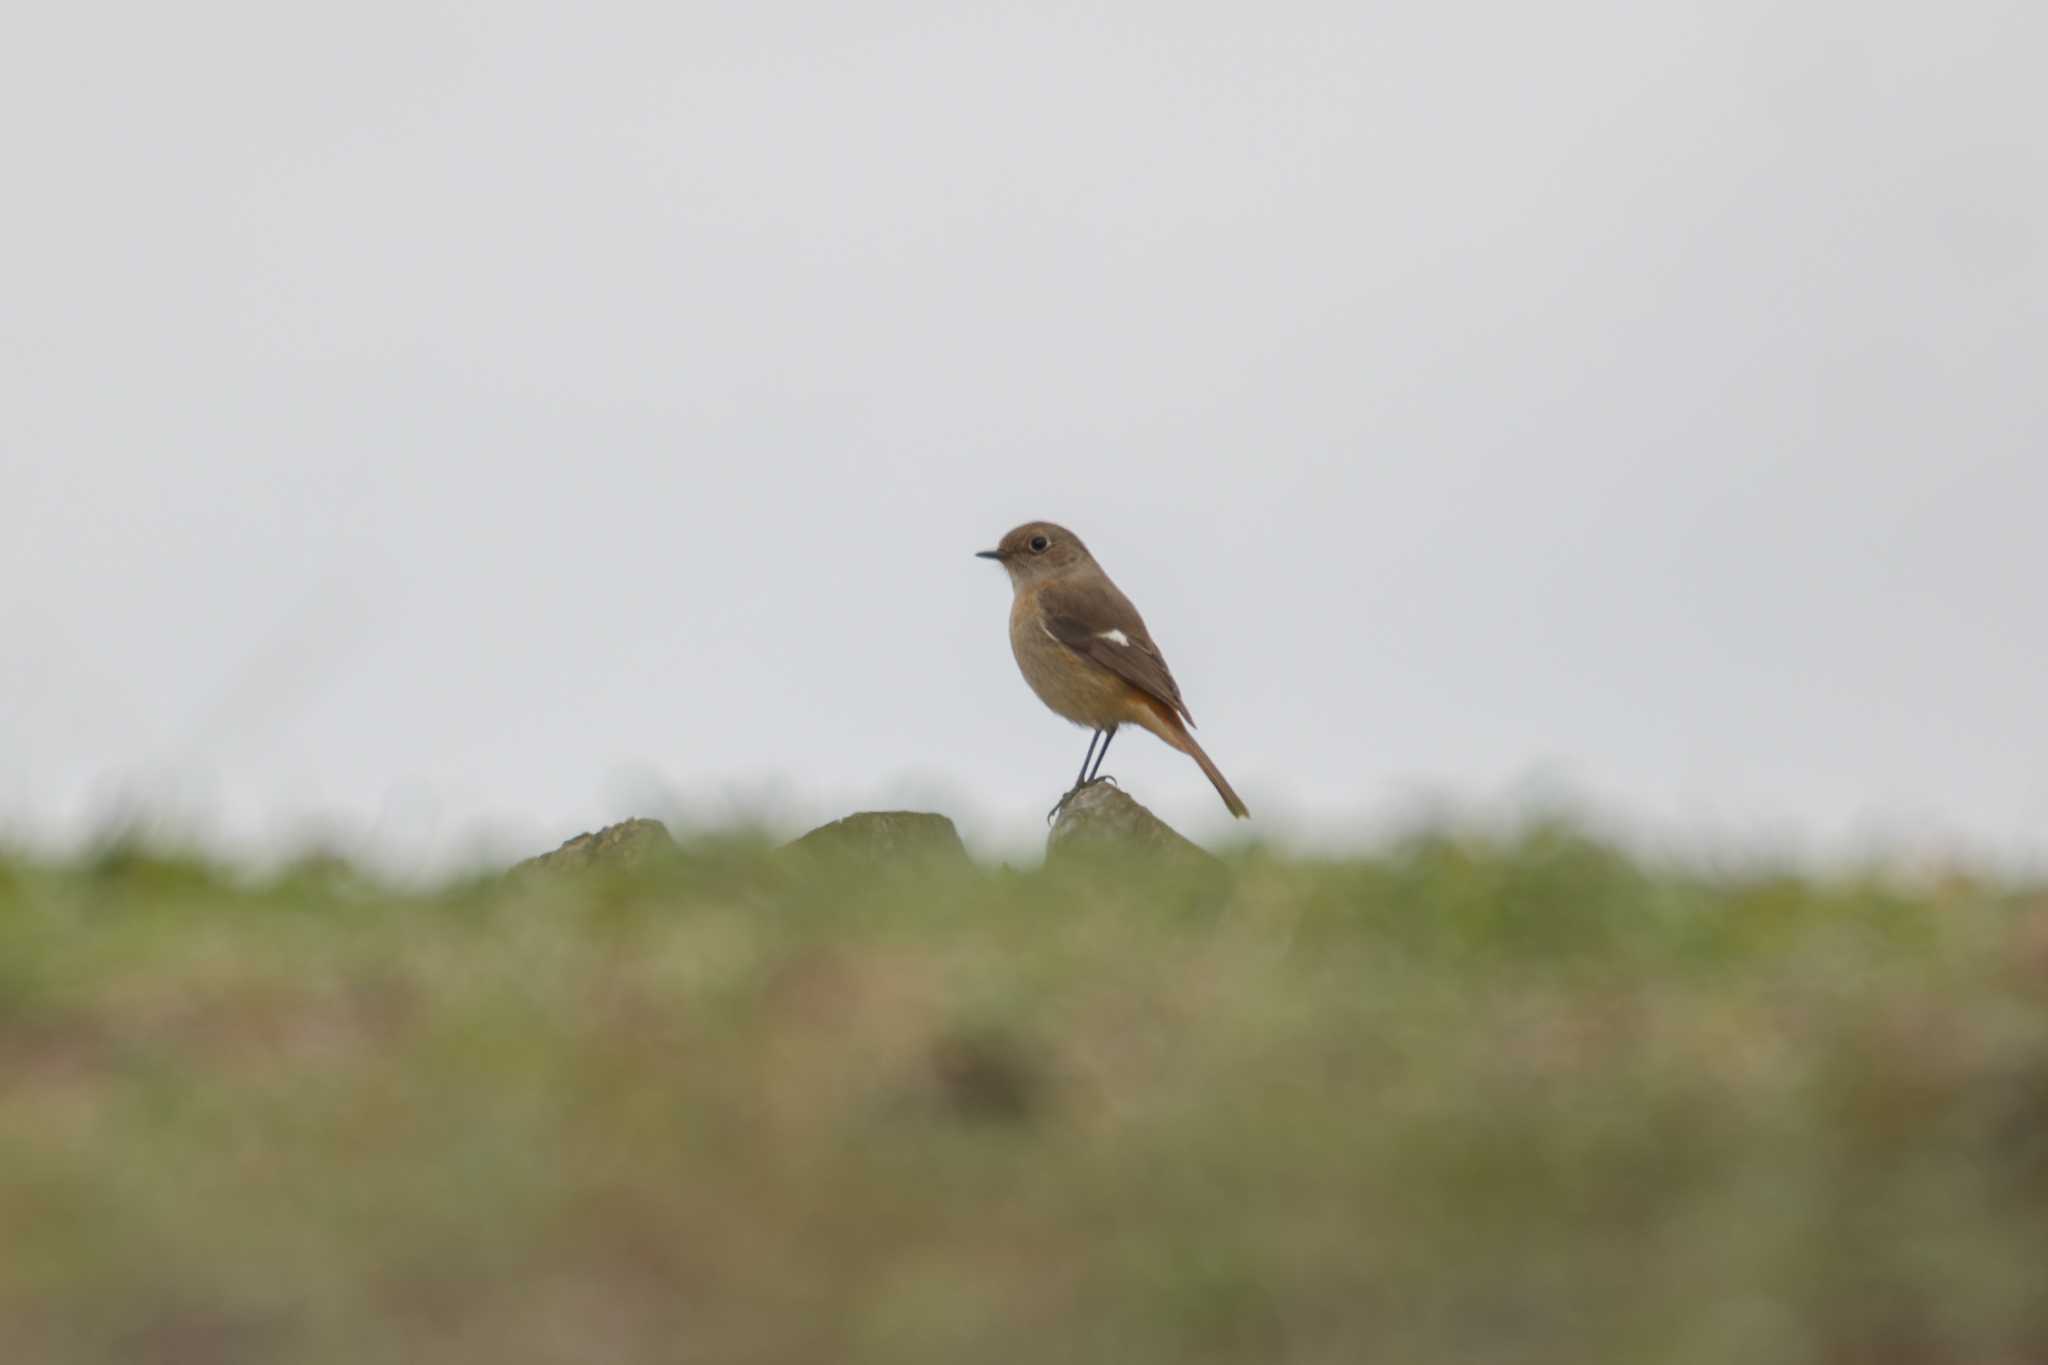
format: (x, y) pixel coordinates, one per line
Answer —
(1038, 544)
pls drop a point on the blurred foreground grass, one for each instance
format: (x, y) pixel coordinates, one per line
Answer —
(1522, 1100)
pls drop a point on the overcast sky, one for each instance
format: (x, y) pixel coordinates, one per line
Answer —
(424, 424)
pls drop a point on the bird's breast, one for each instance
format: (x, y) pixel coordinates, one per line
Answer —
(1083, 692)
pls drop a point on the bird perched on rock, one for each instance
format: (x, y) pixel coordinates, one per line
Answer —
(1085, 650)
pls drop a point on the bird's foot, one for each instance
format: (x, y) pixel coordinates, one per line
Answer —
(1075, 791)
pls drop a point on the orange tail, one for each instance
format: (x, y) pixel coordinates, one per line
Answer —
(1173, 732)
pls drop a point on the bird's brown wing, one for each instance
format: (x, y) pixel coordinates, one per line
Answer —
(1099, 623)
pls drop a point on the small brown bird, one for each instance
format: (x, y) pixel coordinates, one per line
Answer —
(1085, 650)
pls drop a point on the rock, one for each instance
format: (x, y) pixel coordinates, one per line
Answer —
(887, 837)
(626, 844)
(1102, 818)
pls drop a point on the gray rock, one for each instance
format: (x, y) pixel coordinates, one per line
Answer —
(1104, 819)
(626, 844)
(887, 837)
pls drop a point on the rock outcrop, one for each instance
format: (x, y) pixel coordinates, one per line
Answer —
(622, 845)
(1100, 820)
(887, 838)
(1103, 819)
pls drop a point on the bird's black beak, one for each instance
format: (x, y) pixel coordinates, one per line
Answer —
(989, 554)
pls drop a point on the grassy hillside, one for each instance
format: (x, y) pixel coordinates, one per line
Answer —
(1459, 1101)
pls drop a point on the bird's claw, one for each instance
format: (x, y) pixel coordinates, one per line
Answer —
(1075, 791)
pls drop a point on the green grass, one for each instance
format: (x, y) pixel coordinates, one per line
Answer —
(1461, 1100)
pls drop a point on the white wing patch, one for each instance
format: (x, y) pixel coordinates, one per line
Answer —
(1115, 637)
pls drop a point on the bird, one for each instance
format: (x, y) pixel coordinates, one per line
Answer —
(1085, 651)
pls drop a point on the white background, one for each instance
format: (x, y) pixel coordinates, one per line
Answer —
(437, 427)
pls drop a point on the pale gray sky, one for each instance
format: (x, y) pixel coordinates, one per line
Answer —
(428, 422)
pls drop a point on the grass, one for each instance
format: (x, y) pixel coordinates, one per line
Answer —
(1460, 1100)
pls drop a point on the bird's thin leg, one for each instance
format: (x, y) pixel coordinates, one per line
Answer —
(1107, 736)
(1079, 782)
(1082, 780)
